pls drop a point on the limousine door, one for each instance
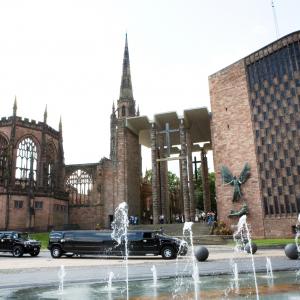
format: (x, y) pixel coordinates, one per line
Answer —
(87, 242)
(150, 243)
(68, 242)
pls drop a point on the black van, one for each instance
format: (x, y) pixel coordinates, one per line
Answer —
(18, 243)
(80, 242)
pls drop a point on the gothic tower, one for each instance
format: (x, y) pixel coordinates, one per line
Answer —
(125, 148)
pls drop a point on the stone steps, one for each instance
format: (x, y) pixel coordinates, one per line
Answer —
(201, 232)
(174, 229)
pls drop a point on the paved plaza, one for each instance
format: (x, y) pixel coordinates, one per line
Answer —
(43, 270)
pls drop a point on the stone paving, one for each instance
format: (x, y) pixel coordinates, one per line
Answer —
(42, 270)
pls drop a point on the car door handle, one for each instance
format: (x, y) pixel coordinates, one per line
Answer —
(145, 241)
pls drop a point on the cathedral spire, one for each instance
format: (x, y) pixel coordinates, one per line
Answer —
(60, 125)
(15, 107)
(113, 109)
(126, 87)
(45, 115)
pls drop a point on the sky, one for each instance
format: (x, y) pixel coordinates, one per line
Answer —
(67, 54)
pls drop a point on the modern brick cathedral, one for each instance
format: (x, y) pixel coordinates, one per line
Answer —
(255, 106)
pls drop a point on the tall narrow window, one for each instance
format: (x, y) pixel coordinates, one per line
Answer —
(3, 157)
(26, 165)
(79, 185)
(50, 164)
(123, 111)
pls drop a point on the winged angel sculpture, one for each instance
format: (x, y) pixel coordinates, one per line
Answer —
(228, 178)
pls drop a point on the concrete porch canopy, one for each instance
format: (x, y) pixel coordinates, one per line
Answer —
(169, 134)
(197, 120)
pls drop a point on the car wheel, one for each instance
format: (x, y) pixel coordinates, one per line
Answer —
(35, 253)
(56, 252)
(17, 251)
(168, 252)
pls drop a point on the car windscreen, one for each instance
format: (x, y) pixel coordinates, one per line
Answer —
(24, 236)
(160, 234)
(55, 235)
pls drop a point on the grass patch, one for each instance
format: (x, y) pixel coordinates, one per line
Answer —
(273, 242)
(43, 237)
(269, 242)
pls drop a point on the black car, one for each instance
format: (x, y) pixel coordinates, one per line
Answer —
(18, 243)
(80, 242)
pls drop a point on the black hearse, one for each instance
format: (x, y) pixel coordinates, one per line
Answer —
(18, 243)
(81, 242)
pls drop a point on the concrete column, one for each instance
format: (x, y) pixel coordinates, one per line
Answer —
(155, 190)
(181, 206)
(190, 175)
(163, 180)
(184, 179)
(205, 182)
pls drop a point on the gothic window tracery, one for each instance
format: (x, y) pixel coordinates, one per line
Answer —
(3, 157)
(50, 165)
(26, 160)
(79, 185)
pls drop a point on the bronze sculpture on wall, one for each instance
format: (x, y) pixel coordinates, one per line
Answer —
(228, 178)
(236, 182)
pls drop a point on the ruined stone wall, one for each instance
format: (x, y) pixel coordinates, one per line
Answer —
(54, 212)
(108, 201)
(86, 216)
(233, 143)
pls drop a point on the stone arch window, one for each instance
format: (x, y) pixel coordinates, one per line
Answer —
(3, 157)
(26, 160)
(79, 185)
(123, 111)
(50, 165)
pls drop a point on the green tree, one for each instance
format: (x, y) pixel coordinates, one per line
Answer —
(173, 179)
(199, 191)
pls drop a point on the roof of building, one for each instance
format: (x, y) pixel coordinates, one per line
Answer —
(197, 120)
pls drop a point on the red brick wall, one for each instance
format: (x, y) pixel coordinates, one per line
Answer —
(44, 218)
(233, 143)
(107, 193)
(128, 170)
(134, 174)
(87, 217)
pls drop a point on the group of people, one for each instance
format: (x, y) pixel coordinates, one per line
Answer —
(133, 220)
(209, 217)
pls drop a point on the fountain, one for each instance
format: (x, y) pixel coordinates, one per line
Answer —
(269, 272)
(154, 274)
(109, 281)
(297, 233)
(292, 251)
(119, 234)
(243, 242)
(61, 276)
(235, 279)
(178, 279)
(195, 275)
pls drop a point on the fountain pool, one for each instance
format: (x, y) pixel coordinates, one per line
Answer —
(286, 286)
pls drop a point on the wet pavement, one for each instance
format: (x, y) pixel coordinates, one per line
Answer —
(43, 270)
